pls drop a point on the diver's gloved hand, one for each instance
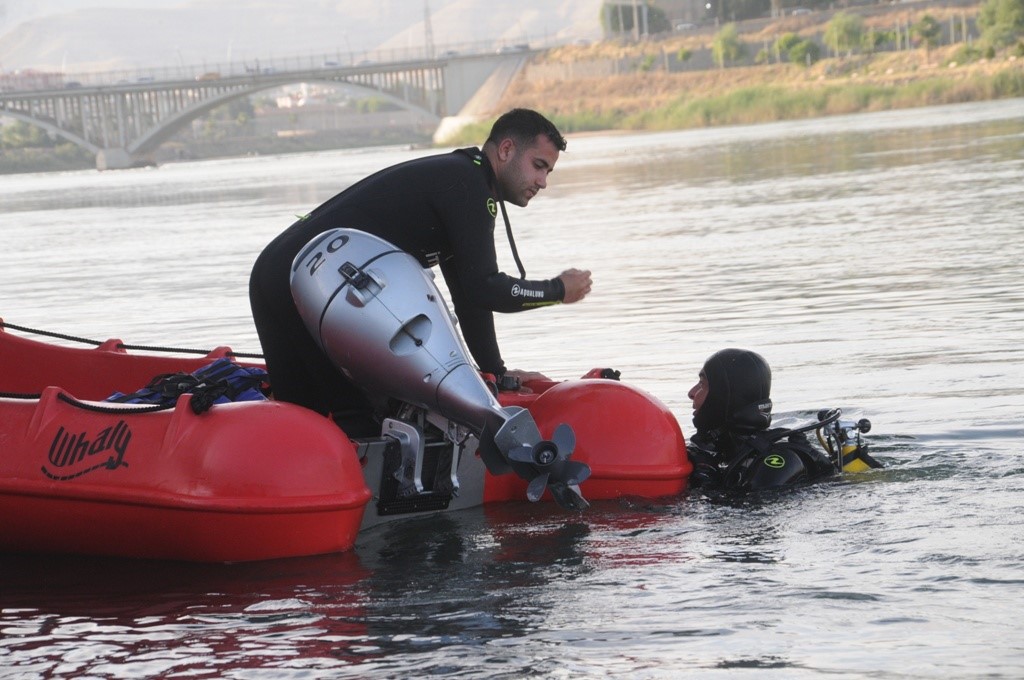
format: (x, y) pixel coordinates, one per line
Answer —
(707, 464)
(507, 383)
(604, 373)
(705, 475)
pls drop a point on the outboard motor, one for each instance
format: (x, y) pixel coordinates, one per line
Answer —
(380, 318)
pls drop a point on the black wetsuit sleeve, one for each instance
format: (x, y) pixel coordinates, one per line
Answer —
(469, 227)
(491, 289)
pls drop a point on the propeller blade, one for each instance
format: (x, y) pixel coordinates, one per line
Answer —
(574, 472)
(565, 439)
(537, 485)
(569, 497)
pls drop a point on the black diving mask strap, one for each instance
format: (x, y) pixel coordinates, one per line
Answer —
(479, 160)
(511, 241)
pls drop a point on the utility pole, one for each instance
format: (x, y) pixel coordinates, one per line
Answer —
(640, 26)
(428, 32)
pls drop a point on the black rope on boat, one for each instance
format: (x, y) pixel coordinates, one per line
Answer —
(121, 410)
(232, 353)
(202, 400)
(51, 334)
(148, 348)
(18, 395)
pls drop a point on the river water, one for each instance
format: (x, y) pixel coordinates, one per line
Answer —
(875, 260)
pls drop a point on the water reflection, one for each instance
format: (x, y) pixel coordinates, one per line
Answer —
(78, 616)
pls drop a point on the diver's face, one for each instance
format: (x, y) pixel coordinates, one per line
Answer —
(699, 392)
(524, 171)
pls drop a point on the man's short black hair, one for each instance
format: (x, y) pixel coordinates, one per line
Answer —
(522, 126)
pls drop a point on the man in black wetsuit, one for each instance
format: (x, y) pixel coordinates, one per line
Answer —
(441, 209)
(733, 448)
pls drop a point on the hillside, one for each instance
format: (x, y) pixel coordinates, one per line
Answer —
(220, 31)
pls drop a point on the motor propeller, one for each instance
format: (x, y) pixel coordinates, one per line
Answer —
(545, 462)
(379, 317)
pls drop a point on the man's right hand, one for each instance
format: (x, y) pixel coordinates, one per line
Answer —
(576, 283)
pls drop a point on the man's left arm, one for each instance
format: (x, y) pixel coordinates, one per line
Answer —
(475, 263)
(467, 213)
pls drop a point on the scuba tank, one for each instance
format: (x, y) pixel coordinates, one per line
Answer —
(842, 440)
(733, 461)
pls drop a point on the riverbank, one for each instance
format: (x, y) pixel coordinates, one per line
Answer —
(757, 94)
(646, 86)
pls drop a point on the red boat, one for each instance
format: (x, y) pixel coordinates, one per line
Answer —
(253, 480)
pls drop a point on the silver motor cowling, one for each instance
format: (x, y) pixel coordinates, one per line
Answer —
(380, 318)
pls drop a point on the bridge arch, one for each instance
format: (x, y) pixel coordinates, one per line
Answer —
(54, 129)
(123, 124)
(151, 140)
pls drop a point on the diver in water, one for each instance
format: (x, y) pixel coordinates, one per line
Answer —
(733, 448)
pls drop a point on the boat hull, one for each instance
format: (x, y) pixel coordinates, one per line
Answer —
(246, 481)
(259, 479)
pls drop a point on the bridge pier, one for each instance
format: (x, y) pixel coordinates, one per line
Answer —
(121, 159)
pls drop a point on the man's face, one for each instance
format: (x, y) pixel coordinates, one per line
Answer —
(523, 172)
(699, 392)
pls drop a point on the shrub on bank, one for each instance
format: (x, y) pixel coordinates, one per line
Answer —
(589, 121)
(843, 32)
(1006, 84)
(1002, 20)
(36, 159)
(726, 46)
(805, 53)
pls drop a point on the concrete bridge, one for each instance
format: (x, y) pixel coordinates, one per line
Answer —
(124, 121)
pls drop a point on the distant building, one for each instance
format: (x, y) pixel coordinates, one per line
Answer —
(29, 79)
(641, 18)
(686, 11)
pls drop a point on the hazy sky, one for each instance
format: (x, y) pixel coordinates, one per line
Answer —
(54, 6)
(15, 11)
(57, 35)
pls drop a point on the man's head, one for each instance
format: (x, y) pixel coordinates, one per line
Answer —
(733, 392)
(523, 147)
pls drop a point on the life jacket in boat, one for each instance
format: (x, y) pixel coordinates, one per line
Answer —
(753, 462)
(220, 382)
